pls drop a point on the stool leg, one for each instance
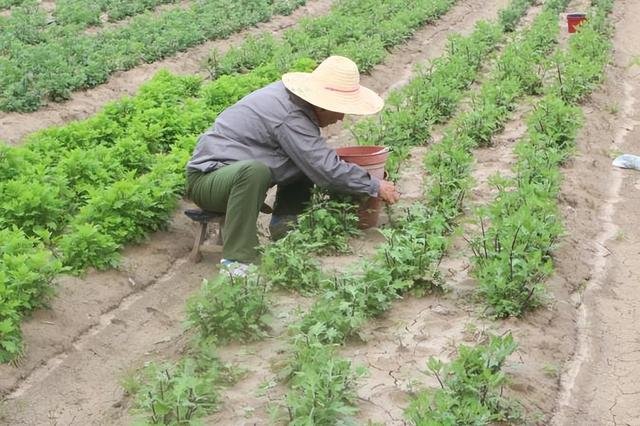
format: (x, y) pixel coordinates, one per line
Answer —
(219, 240)
(196, 256)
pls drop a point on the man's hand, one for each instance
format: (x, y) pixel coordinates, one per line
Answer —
(388, 192)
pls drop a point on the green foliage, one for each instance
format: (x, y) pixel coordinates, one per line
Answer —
(43, 62)
(328, 224)
(33, 203)
(510, 16)
(471, 388)
(87, 245)
(413, 249)
(4, 4)
(231, 307)
(182, 392)
(323, 387)
(513, 256)
(347, 302)
(287, 263)
(362, 30)
(27, 270)
(433, 96)
(519, 229)
(579, 69)
(325, 227)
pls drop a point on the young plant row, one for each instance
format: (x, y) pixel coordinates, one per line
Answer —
(39, 65)
(521, 227)
(471, 386)
(86, 189)
(231, 308)
(518, 71)
(360, 30)
(87, 13)
(410, 113)
(322, 384)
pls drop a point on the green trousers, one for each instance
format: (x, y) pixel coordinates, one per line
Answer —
(238, 190)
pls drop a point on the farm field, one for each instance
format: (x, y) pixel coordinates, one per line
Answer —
(500, 290)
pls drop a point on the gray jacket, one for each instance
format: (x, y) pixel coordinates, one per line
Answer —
(274, 126)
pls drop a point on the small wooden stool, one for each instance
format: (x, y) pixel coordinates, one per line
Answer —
(204, 218)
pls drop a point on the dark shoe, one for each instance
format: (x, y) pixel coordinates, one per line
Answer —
(280, 225)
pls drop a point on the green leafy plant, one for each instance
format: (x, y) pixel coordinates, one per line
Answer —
(328, 224)
(322, 387)
(471, 388)
(179, 393)
(27, 270)
(231, 307)
(88, 245)
(287, 264)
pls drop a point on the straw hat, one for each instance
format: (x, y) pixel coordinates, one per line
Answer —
(334, 86)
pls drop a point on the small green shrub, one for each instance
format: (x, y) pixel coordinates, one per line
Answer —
(471, 388)
(231, 307)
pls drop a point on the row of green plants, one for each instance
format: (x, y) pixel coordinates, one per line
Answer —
(410, 113)
(360, 30)
(471, 387)
(84, 190)
(69, 16)
(322, 384)
(5, 4)
(232, 308)
(39, 65)
(87, 13)
(521, 227)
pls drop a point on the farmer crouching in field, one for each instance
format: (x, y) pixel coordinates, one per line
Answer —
(272, 137)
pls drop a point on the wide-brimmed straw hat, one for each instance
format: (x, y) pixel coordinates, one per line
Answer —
(335, 86)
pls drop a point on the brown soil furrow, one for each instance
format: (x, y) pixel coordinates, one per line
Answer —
(600, 382)
(81, 302)
(83, 386)
(498, 158)
(15, 126)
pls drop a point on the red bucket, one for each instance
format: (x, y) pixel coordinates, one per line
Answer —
(574, 20)
(372, 159)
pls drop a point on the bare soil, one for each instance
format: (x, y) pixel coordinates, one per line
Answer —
(578, 358)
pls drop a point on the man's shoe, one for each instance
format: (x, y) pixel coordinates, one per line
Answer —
(235, 268)
(280, 225)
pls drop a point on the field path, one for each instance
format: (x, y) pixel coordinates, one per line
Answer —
(14, 126)
(601, 384)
